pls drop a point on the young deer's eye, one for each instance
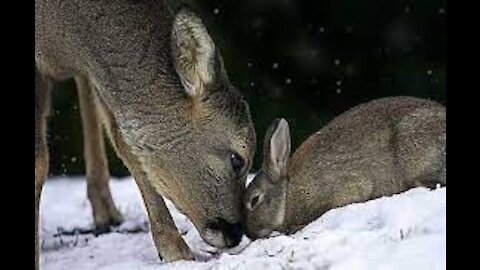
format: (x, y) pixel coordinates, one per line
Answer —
(237, 162)
(254, 201)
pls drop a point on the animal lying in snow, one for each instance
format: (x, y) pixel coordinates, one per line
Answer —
(375, 149)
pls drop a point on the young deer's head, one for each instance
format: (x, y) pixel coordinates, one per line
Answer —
(265, 198)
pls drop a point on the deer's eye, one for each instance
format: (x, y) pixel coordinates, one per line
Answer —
(237, 162)
(255, 199)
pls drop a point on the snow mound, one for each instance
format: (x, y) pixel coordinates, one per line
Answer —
(404, 231)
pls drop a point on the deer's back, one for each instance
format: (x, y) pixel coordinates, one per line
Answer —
(81, 36)
(374, 149)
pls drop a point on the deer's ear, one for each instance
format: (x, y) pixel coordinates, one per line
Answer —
(277, 146)
(193, 52)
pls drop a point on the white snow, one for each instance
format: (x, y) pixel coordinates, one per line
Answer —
(405, 231)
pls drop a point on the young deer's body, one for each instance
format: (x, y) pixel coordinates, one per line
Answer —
(376, 149)
(151, 73)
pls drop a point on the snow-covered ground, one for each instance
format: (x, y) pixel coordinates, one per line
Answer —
(405, 231)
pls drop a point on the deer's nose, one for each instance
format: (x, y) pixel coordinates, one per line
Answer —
(232, 232)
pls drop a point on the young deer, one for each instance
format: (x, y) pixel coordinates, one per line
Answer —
(152, 74)
(375, 149)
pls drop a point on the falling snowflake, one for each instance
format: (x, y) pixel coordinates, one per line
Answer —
(288, 81)
(275, 65)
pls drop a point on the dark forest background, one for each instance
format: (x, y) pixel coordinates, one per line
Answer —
(306, 61)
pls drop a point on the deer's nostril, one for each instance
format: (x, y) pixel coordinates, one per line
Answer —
(215, 226)
(232, 232)
(238, 231)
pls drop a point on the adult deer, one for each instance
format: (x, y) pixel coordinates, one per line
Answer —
(152, 74)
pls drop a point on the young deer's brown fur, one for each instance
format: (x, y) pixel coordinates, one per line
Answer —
(150, 72)
(375, 149)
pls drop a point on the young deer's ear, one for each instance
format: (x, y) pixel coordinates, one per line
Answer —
(193, 53)
(277, 146)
